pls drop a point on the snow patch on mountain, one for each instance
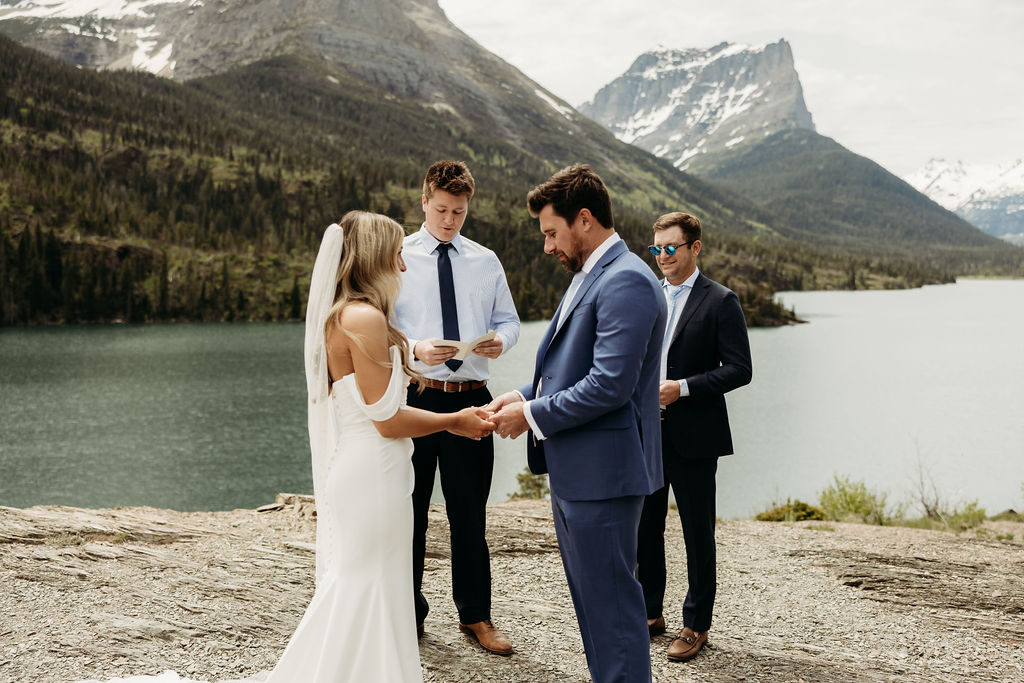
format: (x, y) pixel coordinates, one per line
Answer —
(142, 30)
(678, 103)
(988, 195)
(562, 109)
(954, 184)
(101, 9)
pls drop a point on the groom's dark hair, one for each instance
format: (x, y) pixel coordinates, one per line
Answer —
(568, 191)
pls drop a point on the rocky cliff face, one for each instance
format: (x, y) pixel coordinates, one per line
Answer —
(681, 103)
(407, 46)
(988, 196)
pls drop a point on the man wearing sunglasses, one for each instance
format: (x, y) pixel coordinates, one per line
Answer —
(705, 354)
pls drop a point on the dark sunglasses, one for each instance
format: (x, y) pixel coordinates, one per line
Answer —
(670, 249)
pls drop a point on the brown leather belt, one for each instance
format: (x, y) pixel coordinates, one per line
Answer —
(450, 387)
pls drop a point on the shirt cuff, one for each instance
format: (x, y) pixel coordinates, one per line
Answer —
(530, 421)
(412, 348)
(684, 389)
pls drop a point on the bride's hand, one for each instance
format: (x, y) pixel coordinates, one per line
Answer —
(471, 422)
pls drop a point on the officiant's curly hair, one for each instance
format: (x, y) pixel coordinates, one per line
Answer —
(450, 176)
(369, 272)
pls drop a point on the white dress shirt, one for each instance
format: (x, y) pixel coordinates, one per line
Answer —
(570, 294)
(687, 287)
(482, 298)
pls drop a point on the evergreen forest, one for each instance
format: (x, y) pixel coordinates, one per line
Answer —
(125, 197)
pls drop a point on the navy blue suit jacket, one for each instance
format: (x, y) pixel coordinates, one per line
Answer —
(598, 375)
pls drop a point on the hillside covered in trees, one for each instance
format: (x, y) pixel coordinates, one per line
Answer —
(126, 197)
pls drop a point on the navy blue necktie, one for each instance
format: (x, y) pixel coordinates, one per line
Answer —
(449, 311)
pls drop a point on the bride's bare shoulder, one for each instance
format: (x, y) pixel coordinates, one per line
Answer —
(359, 316)
(361, 319)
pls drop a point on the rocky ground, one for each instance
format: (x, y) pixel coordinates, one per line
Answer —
(213, 595)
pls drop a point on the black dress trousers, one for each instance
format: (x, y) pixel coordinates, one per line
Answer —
(693, 483)
(466, 467)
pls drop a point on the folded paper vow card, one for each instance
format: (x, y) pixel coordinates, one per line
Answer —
(466, 347)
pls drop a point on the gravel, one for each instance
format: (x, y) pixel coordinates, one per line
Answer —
(215, 595)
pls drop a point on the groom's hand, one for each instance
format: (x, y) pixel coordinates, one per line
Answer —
(502, 400)
(510, 421)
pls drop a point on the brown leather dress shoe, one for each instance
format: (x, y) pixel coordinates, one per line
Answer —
(656, 626)
(490, 638)
(687, 644)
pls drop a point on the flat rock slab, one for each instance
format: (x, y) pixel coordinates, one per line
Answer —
(215, 595)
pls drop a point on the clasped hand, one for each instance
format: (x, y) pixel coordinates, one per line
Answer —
(504, 416)
(507, 416)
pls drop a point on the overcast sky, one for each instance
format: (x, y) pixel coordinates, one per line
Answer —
(899, 81)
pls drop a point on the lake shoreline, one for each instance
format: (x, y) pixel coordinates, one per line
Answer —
(102, 593)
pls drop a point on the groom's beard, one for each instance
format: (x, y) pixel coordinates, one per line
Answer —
(573, 264)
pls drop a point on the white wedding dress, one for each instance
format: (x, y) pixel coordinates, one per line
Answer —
(360, 626)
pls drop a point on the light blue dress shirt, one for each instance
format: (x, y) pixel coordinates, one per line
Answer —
(482, 298)
(680, 304)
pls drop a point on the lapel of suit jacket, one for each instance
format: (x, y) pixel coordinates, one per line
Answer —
(700, 290)
(613, 253)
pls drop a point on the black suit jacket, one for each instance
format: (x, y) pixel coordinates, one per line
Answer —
(710, 350)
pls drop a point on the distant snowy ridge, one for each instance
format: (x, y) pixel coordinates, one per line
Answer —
(99, 9)
(678, 103)
(989, 196)
(133, 33)
(406, 47)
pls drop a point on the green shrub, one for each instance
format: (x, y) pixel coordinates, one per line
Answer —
(851, 501)
(966, 517)
(791, 511)
(534, 486)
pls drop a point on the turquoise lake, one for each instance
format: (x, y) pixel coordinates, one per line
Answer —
(878, 386)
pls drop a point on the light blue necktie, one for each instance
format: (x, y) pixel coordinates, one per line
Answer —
(673, 296)
(570, 294)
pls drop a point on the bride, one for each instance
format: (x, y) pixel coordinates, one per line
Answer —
(360, 625)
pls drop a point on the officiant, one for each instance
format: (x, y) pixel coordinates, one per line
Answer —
(454, 289)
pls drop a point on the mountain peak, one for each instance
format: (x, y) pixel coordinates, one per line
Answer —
(678, 103)
(991, 196)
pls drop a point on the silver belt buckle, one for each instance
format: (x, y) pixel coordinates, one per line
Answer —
(444, 386)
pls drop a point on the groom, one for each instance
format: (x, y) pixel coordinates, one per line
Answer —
(593, 412)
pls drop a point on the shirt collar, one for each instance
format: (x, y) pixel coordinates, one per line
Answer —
(601, 250)
(430, 242)
(686, 283)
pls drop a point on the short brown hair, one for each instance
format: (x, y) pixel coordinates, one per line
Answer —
(451, 176)
(569, 191)
(690, 224)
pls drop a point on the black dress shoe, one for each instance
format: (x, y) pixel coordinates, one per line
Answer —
(419, 630)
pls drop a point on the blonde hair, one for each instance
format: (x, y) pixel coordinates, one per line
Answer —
(368, 272)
